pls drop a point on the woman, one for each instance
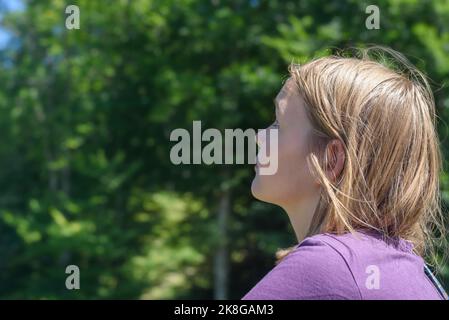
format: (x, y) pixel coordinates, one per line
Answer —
(358, 166)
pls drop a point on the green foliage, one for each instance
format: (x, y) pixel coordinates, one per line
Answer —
(86, 115)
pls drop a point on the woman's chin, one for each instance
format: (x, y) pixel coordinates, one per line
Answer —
(257, 189)
(263, 190)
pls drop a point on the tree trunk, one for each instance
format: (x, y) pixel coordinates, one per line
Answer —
(221, 263)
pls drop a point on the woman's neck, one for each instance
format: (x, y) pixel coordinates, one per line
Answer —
(301, 215)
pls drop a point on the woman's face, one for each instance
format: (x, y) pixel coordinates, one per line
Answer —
(292, 183)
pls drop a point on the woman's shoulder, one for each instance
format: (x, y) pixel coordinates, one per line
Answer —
(312, 270)
(347, 266)
(380, 267)
(357, 244)
(363, 241)
(358, 252)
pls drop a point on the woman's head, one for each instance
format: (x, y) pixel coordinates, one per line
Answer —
(360, 138)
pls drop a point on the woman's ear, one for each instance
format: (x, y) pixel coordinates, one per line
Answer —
(335, 156)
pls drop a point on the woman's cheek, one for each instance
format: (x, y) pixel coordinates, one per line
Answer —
(292, 160)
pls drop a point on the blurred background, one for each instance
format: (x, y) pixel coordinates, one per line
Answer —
(85, 121)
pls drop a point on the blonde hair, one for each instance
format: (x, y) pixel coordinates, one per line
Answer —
(382, 109)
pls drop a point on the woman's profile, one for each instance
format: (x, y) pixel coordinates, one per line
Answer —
(358, 176)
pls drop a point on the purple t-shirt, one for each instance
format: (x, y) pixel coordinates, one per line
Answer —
(349, 266)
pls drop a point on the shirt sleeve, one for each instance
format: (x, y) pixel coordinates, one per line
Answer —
(312, 271)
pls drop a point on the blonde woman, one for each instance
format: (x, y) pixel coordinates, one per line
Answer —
(358, 167)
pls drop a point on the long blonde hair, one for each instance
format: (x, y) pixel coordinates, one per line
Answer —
(382, 109)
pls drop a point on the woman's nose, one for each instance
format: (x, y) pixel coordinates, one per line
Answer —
(261, 137)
